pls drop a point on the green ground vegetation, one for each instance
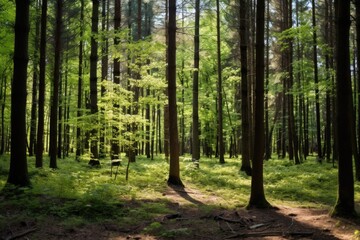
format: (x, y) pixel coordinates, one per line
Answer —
(77, 194)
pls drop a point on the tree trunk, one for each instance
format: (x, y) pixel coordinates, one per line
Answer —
(94, 161)
(219, 88)
(115, 147)
(56, 80)
(104, 69)
(245, 118)
(166, 106)
(32, 138)
(18, 173)
(344, 206)
(80, 83)
(195, 116)
(257, 196)
(174, 173)
(316, 79)
(41, 117)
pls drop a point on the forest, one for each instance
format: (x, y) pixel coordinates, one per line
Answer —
(214, 119)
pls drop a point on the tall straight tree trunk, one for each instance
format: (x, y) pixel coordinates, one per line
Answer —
(80, 83)
(166, 106)
(174, 173)
(104, 69)
(219, 88)
(60, 115)
(18, 173)
(56, 80)
(357, 5)
(42, 69)
(316, 79)
(345, 205)
(93, 84)
(115, 147)
(257, 195)
(327, 150)
(268, 135)
(3, 104)
(293, 138)
(195, 115)
(245, 118)
(32, 137)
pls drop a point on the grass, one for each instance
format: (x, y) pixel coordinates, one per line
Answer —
(77, 194)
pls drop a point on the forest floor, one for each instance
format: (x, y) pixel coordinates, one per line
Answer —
(189, 218)
(79, 202)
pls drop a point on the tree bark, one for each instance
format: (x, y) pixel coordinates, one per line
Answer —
(94, 161)
(41, 118)
(344, 206)
(195, 101)
(174, 173)
(115, 147)
(32, 137)
(79, 144)
(316, 79)
(18, 173)
(56, 80)
(219, 88)
(245, 118)
(257, 195)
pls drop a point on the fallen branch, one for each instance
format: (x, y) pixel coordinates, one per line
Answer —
(21, 234)
(268, 234)
(229, 220)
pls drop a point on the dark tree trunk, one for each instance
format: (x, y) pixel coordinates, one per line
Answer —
(80, 83)
(60, 114)
(219, 88)
(56, 80)
(115, 147)
(18, 173)
(3, 104)
(257, 196)
(32, 137)
(245, 118)
(316, 79)
(94, 161)
(344, 206)
(41, 118)
(195, 116)
(104, 69)
(166, 106)
(174, 173)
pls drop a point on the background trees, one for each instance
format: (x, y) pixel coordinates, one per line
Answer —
(215, 62)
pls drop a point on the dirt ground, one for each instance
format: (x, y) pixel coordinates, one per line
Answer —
(190, 221)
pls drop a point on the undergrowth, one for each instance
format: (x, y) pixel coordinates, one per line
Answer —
(76, 193)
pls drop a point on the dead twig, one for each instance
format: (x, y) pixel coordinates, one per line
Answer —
(20, 234)
(268, 234)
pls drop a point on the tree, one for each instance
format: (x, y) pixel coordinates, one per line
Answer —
(245, 118)
(195, 115)
(219, 88)
(115, 148)
(257, 195)
(41, 101)
(174, 173)
(345, 205)
(93, 84)
(316, 79)
(18, 173)
(56, 80)
(32, 137)
(80, 81)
